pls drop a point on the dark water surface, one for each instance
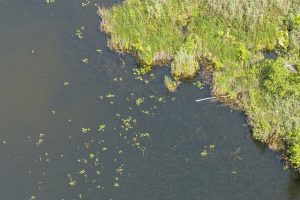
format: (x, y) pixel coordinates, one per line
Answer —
(49, 98)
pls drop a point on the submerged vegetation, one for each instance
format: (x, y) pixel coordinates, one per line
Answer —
(231, 38)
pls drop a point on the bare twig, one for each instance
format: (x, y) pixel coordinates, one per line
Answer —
(210, 98)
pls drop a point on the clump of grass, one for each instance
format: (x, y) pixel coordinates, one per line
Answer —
(170, 84)
(184, 65)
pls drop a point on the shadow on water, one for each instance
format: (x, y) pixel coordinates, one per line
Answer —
(77, 123)
(293, 189)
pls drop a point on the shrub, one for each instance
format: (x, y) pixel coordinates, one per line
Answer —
(280, 80)
(294, 147)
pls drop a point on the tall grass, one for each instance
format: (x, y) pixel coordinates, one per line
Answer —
(249, 12)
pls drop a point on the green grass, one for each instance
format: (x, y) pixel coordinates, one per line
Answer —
(230, 38)
(170, 84)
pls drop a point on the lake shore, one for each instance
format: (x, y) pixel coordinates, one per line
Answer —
(230, 40)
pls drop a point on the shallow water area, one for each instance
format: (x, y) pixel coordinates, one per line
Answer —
(77, 123)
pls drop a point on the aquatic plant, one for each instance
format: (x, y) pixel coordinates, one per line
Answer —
(101, 127)
(85, 130)
(110, 95)
(85, 60)
(204, 153)
(66, 83)
(170, 84)
(98, 50)
(85, 3)
(139, 101)
(198, 84)
(50, 1)
(72, 182)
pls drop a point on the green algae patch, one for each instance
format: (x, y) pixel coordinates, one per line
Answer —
(231, 40)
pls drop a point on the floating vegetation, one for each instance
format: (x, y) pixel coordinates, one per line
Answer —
(92, 155)
(139, 101)
(140, 78)
(162, 99)
(101, 127)
(198, 84)
(110, 95)
(72, 182)
(85, 60)
(120, 169)
(85, 3)
(50, 1)
(146, 112)
(99, 51)
(204, 153)
(144, 134)
(32, 198)
(116, 184)
(137, 141)
(66, 83)
(118, 79)
(41, 139)
(85, 130)
(82, 171)
(139, 72)
(128, 123)
(79, 33)
(142, 70)
(104, 149)
(82, 160)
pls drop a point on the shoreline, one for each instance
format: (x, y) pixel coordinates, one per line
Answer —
(262, 88)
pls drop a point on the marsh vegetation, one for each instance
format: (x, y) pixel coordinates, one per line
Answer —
(230, 38)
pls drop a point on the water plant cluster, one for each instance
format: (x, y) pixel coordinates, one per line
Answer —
(170, 84)
(232, 39)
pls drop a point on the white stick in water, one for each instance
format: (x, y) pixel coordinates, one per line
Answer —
(209, 98)
(205, 99)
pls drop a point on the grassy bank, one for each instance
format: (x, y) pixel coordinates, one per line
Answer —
(230, 37)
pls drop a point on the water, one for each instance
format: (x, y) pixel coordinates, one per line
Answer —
(48, 95)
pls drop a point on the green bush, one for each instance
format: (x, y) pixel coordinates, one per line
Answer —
(294, 147)
(280, 80)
